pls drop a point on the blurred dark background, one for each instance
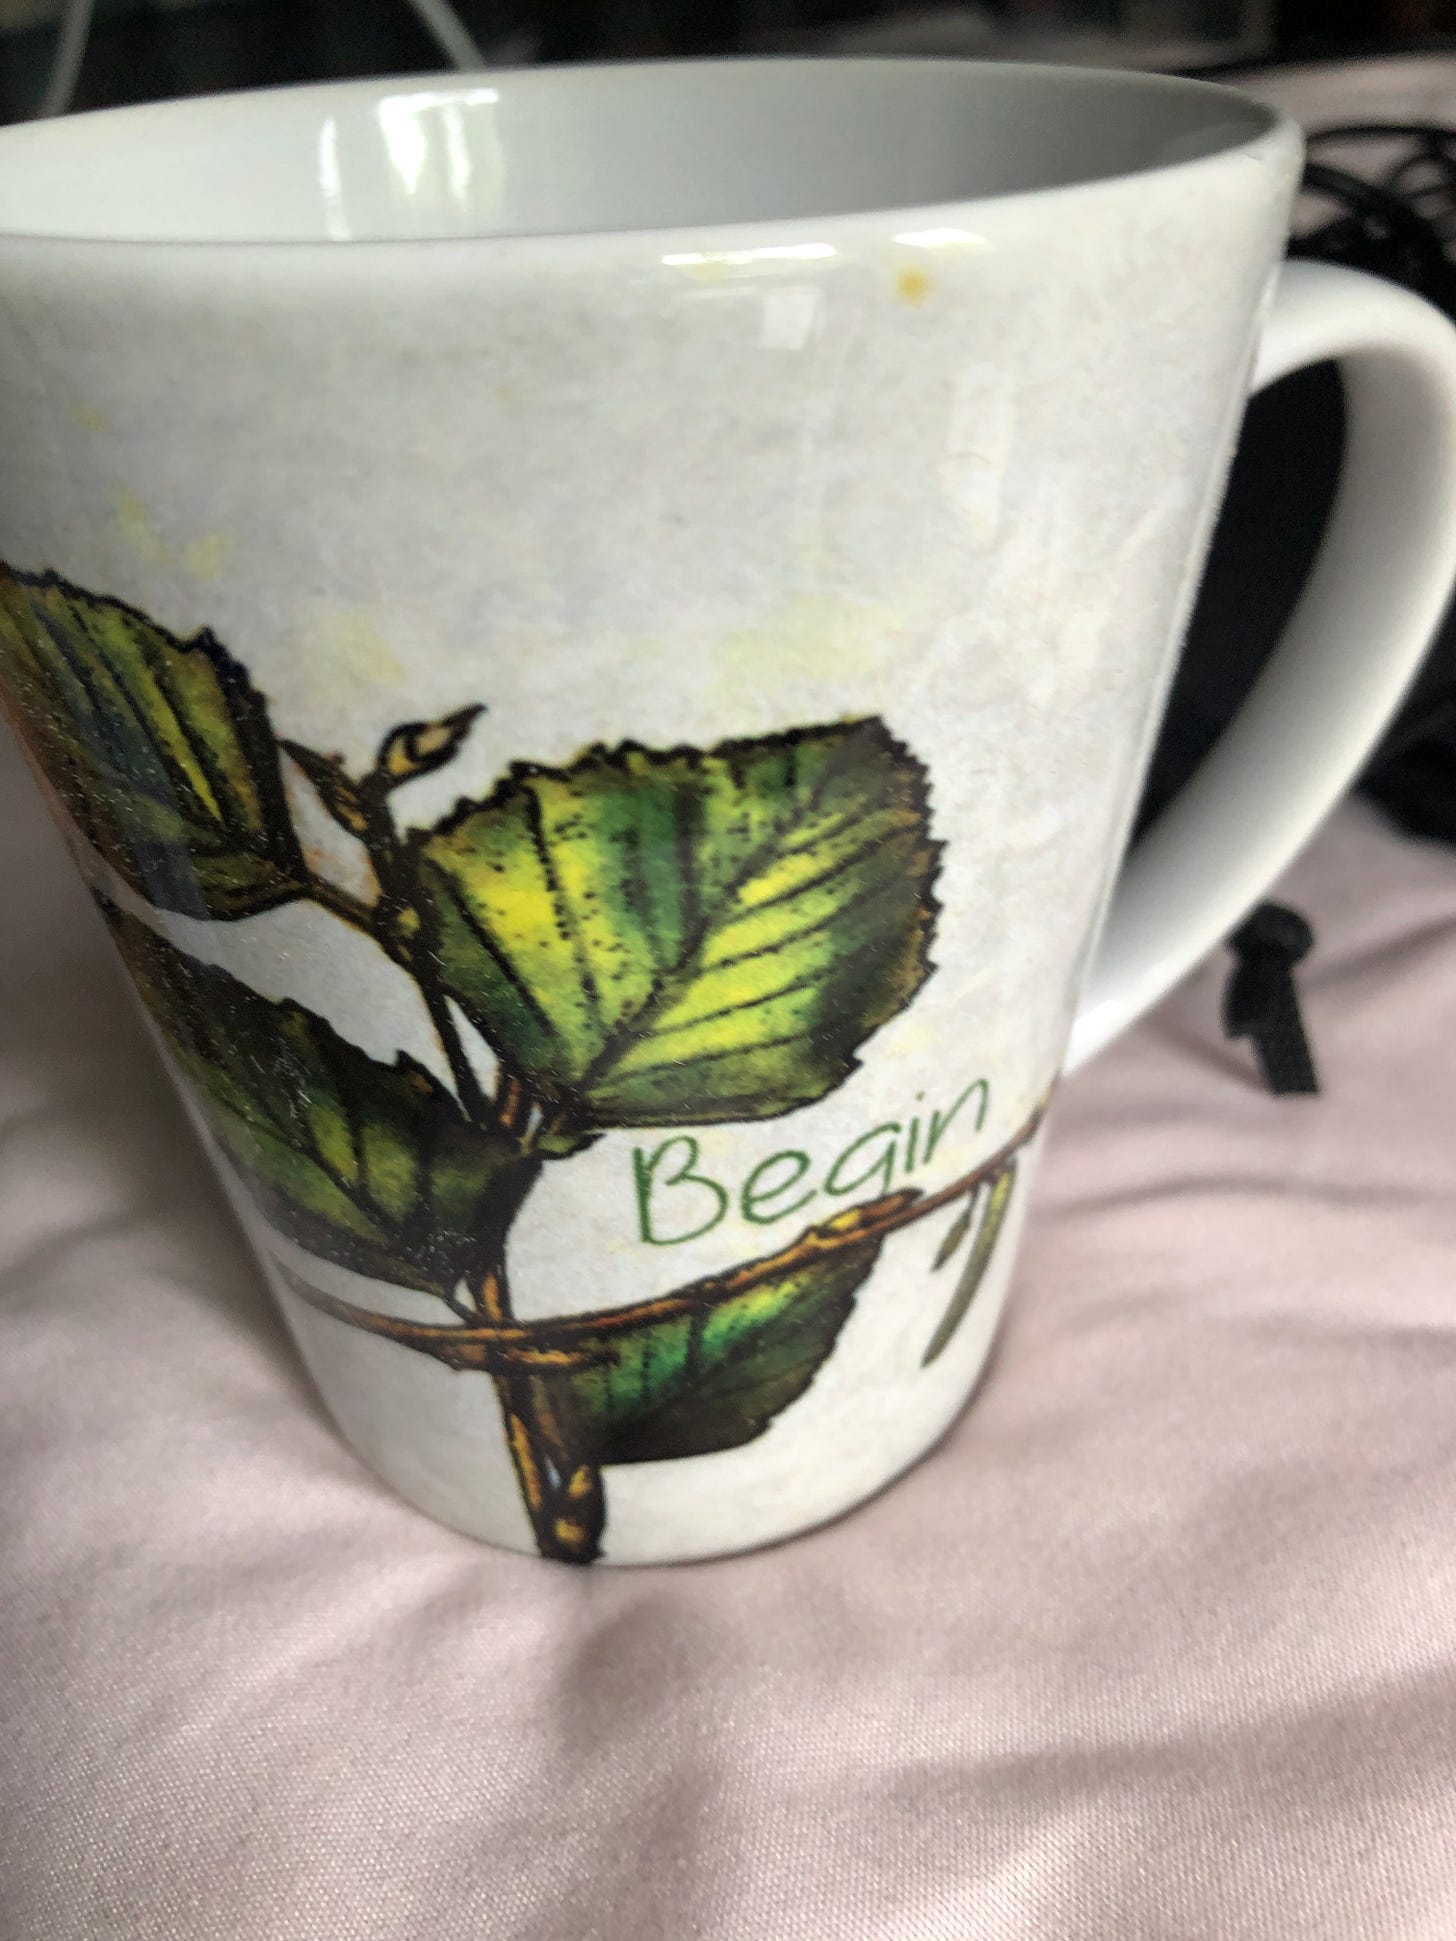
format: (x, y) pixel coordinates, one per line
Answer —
(143, 49)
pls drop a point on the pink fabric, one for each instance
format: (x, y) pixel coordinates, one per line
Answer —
(1161, 1643)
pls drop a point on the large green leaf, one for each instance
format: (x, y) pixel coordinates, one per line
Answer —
(675, 938)
(367, 1164)
(159, 748)
(709, 1367)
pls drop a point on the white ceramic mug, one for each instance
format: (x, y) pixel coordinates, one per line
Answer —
(597, 634)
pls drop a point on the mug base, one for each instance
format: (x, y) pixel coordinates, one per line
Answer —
(484, 1520)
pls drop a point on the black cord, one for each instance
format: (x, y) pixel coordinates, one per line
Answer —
(1261, 1002)
(1383, 131)
(1399, 226)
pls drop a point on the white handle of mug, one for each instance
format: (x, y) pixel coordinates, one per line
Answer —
(1372, 602)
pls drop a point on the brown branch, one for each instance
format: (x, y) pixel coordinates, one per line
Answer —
(467, 1085)
(342, 903)
(512, 1102)
(501, 1345)
(958, 1188)
(562, 1494)
(581, 1516)
(497, 1349)
(364, 917)
(576, 1512)
(491, 1298)
(526, 1461)
(397, 887)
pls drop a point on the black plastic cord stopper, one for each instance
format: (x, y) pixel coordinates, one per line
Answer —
(1261, 1003)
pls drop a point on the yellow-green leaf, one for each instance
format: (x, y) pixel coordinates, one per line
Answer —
(953, 1240)
(666, 938)
(159, 748)
(983, 1247)
(709, 1367)
(370, 1165)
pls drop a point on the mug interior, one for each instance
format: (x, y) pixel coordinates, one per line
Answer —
(542, 152)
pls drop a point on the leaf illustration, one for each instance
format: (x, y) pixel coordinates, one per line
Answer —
(420, 747)
(160, 748)
(709, 1367)
(699, 1370)
(998, 1199)
(370, 1165)
(333, 785)
(676, 938)
(956, 1237)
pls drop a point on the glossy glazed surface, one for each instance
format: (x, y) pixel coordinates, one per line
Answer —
(664, 146)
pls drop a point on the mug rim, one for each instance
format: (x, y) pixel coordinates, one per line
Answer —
(1268, 130)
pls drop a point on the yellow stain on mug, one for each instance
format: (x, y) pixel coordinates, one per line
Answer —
(137, 529)
(88, 418)
(349, 632)
(200, 559)
(812, 637)
(204, 558)
(913, 282)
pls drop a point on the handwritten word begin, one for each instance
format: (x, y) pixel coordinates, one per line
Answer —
(677, 1200)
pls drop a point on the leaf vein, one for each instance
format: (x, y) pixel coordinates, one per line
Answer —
(561, 906)
(808, 981)
(633, 1024)
(874, 891)
(493, 948)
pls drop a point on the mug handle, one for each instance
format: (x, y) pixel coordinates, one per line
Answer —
(1362, 626)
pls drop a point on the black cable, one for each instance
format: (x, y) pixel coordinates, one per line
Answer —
(1379, 230)
(1382, 131)
(1261, 1002)
(1398, 227)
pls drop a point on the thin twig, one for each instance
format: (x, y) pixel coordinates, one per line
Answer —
(342, 903)
(512, 1102)
(397, 885)
(365, 917)
(473, 1102)
(492, 1300)
(563, 1496)
(495, 1349)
